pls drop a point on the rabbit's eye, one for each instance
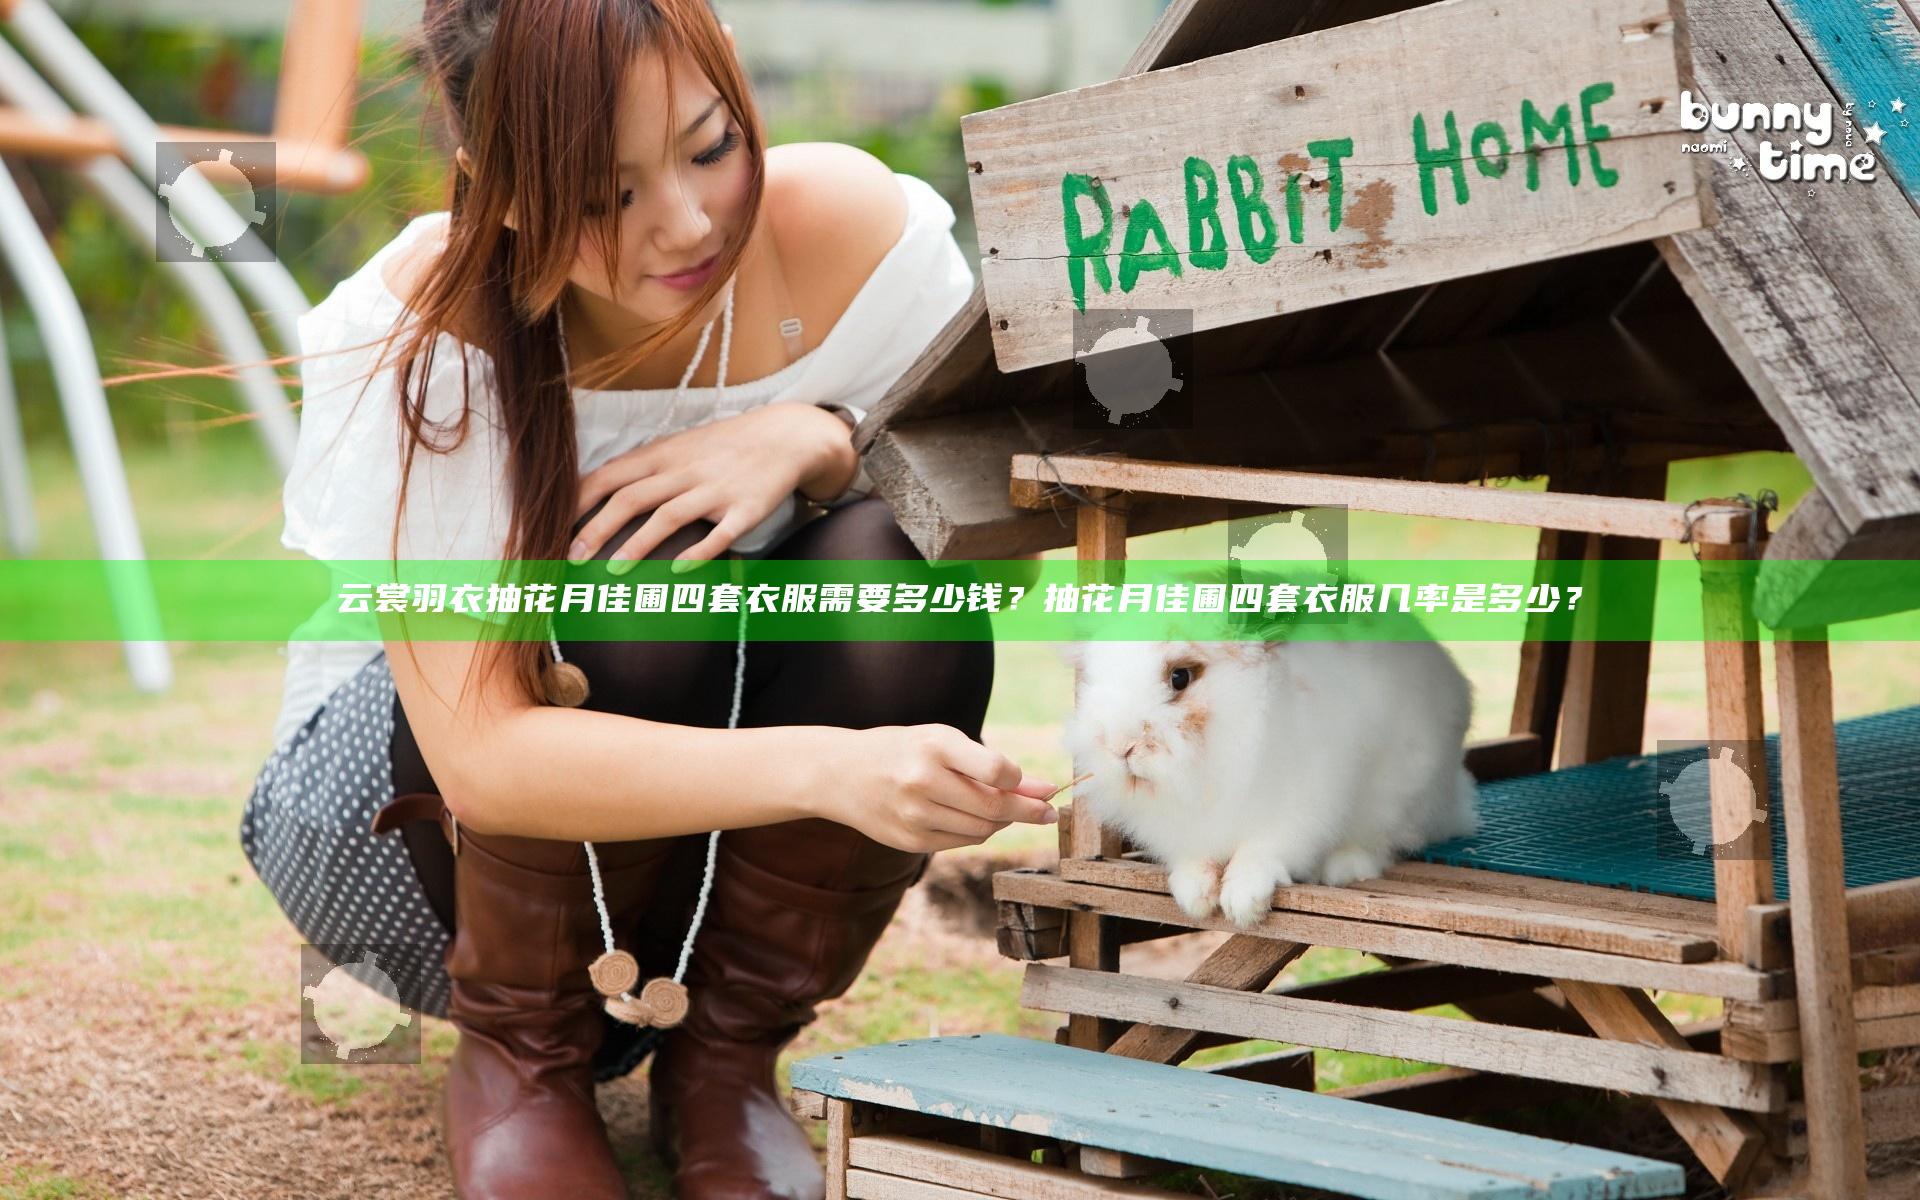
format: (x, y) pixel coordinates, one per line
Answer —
(1180, 677)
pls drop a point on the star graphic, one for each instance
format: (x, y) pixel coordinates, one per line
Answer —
(1739, 164)
(1874, 132)
(1794, 146)
(1898, 105)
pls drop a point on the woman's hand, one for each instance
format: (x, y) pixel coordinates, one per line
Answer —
(923, 788)
(733, 472)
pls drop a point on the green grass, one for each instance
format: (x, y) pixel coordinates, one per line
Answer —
(45, 1183)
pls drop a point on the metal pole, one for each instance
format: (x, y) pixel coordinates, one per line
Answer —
(91, 87)
(209, 290)
(77, 375)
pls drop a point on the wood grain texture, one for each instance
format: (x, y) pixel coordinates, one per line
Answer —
(1619, 516)
(1828, 336)
(1208, 1120)
(1725, 979)
(1729, 1144)
(1642, 1070)
(1810, 794)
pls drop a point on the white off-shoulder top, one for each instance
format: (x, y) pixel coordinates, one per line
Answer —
(341, 494)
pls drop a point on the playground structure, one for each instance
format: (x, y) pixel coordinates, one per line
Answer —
(1695, 310)
(73, 112)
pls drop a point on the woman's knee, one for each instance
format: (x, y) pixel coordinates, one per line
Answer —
(681, 682)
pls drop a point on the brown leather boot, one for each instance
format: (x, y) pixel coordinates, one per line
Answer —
(783, 932)
(520, 1120)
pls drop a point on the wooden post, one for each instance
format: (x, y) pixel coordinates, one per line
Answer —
(1817, 900)
(839, 1128)
(1101, 546)
(1604, 712)
(1730, 641)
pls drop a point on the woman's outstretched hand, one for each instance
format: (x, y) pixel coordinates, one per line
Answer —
(733, 472)
(923, 788)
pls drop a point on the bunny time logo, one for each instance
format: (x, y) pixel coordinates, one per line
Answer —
(350, 1008)
(1138, 367)
(1685, 779)
(240, 176)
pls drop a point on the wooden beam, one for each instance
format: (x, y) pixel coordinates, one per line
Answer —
(1101, 552)
(298, 165)
(1823, 333)
(1241, 962)
(1619, 516)
(1728, 1144)
(1731, 644)
(1810, 792)
(1536, 917)
(1603, 713)
(1718, 978)
(1642, 1070)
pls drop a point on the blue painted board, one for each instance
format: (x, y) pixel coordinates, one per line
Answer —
(1207, 1120)
(1868, 50)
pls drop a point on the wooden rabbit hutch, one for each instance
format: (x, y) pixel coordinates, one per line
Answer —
(1394, 362)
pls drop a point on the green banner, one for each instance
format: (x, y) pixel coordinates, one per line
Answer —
(240, 600)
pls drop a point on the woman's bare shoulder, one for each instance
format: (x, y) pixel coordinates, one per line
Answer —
(406, 267)
(836, 211)
(405, 272)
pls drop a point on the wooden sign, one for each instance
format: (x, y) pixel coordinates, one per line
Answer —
(1448, 140)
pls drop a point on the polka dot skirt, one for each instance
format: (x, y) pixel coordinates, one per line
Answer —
(307, 831)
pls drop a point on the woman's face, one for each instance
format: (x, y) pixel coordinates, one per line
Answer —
(682, 193)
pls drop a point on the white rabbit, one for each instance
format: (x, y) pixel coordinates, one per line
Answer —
(1248, 765)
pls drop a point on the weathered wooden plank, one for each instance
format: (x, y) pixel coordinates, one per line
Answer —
(1617, 515)
(1810, 797)
(1726, 979)
(1828, 336)
(1244, 963)
(1396, 184)
(1729, 1144)
(1737, 775)
(839, 1119)
(1430, 906)
(1207, 1120)
(1603, 712)
(1691, 914)
(1642, 1070)
(895, 1168)
(1867, 53)
(1813, 572)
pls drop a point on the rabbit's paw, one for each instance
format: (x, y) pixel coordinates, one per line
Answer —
(1195, 884)
(1246, 891)
(1348, 863)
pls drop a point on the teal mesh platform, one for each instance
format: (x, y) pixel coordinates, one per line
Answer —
(1641, 822)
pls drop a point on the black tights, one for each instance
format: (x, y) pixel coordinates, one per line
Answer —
(852, 684)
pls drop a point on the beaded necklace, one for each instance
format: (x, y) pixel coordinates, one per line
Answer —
(663, 1002)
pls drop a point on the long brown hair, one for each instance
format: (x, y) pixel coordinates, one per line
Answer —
(530, 89)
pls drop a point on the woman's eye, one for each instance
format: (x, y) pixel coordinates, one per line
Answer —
(1179, 678)
(600, 210)
(720, 150)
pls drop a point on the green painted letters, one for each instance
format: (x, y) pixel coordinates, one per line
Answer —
(1244, 184)
(1431, 160)
(1203, 217)
(1082, 249)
